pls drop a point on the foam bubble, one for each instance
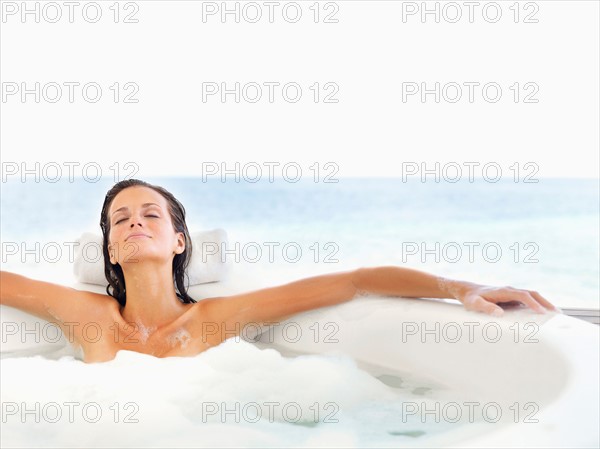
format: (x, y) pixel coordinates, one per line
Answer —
(212, 399)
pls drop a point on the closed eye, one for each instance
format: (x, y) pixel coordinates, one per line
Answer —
(122, 219)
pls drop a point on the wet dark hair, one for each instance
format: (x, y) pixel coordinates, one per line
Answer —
(114, 273)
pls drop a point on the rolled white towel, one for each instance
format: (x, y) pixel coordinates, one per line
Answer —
(206, 264)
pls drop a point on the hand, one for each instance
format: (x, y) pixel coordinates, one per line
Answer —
(484, 298)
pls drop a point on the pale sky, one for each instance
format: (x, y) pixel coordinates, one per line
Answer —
(533, 86)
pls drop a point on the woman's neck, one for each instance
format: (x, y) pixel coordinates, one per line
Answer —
(151, 299)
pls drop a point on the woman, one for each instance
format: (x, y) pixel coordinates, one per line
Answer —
(147, 247)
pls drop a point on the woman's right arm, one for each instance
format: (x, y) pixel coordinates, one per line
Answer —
(52, 302)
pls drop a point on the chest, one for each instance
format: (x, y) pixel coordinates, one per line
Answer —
(180, 344)
(187, 337)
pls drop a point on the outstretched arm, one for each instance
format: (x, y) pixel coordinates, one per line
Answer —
(280, 302)
(407, 282)
(65, 306)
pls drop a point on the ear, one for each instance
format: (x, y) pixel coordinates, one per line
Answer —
(111, 255)
(180, 248)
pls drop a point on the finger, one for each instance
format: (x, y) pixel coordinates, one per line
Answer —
(539, 298)
(510, 294)
(479, 304)
(526, 298)
(511, 304)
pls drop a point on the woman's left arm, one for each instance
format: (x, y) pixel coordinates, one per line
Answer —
(280, 302)
(407, 282)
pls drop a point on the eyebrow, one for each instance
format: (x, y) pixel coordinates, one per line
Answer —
(145, 205)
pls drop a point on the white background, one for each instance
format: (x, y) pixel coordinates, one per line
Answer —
(368, 54)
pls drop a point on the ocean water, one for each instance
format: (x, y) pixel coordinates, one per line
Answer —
(542, 236)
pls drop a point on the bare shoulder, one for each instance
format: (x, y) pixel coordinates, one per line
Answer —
(280, 302)
(213, 321)
(207, 309)
(51, 301)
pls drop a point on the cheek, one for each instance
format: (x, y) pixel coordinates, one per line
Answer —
(113, 236)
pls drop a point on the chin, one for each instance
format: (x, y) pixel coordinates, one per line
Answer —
(146, 257)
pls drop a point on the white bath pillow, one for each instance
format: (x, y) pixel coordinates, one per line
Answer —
(206, 263)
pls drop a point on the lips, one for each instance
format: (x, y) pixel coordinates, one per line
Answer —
(137, 234)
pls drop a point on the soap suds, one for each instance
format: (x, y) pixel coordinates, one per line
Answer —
(144, 332)
(179, 336)
(208, 400)
(53, 314)
(446, 286)
(362, 293)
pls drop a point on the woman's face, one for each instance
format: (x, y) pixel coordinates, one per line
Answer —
(142, 210)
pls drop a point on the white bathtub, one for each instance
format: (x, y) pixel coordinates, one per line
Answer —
(554, 376)
(558, 372)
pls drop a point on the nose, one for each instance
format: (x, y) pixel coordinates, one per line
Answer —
(135, 220)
